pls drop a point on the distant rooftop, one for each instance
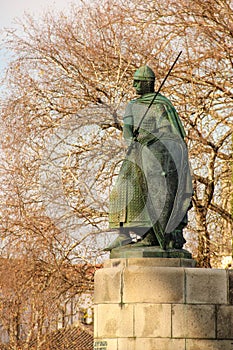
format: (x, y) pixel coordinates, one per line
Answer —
(72, 338)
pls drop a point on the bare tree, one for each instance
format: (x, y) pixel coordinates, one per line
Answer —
(201, 90)
(61, 123)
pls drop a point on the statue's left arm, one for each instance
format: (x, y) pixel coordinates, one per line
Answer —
(128, 125)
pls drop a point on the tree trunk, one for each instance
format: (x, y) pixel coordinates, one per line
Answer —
(203, 257)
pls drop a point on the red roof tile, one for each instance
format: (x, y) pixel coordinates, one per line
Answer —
(72, 338)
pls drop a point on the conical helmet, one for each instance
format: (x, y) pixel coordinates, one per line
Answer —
(144, 73)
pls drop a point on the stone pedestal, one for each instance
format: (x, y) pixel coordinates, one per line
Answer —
(162, 304)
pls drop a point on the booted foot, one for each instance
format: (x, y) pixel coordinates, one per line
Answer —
(175, 240)
(148, 240)
(120, 241)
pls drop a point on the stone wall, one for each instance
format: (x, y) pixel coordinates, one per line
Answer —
(161, 304)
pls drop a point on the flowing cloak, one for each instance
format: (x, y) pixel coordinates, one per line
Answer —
(154, 185)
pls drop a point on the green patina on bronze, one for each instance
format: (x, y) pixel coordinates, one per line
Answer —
(172, 114)
(130, 251)
(152, 193)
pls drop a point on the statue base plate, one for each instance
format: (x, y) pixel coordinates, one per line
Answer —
(130, 251)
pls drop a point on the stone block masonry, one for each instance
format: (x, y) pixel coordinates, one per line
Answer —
(162, 304)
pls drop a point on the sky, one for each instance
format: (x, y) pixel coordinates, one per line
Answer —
(11, 9)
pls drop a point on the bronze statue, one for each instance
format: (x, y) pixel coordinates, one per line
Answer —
(152, 194)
